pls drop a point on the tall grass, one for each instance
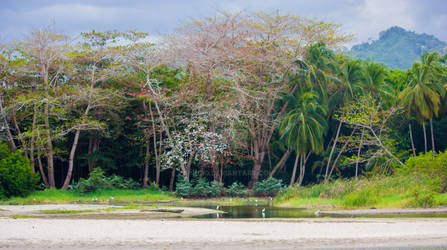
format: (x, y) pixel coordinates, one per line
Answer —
(380, 191)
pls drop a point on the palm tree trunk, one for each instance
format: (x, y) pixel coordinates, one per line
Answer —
(358, 154)
(411, 139)
(326, 177)
(432, 139)
(301, 177)
(292, 180)
(281, 162)
(425, 137)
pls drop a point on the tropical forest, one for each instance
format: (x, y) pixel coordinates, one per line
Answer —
(235, 107)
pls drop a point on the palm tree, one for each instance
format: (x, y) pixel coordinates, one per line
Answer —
(422, 97)
(303, 127)
(348, 84)
(316, 66)
(374, 84)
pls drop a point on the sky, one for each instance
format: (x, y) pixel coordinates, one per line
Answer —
(363, 18)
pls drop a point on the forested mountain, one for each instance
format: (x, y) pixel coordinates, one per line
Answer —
(398, 48)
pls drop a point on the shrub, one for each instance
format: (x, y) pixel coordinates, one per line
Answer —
(237, 189)
(183, 187)
(2, 192)
(268, 187)
(97, 180)
(215, 189)
(421, 197)
(153, 187)
(16, 176)
(425, 164)
(202, 188)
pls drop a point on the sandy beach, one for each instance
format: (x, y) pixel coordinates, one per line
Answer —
(322, 233)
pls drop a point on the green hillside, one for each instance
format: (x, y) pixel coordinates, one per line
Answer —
(398, 48)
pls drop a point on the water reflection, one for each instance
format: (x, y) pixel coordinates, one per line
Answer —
(258, 212)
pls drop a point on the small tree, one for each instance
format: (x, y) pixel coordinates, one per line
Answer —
(369, 116)
(16, 176)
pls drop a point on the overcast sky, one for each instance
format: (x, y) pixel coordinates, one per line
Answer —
(363, 18)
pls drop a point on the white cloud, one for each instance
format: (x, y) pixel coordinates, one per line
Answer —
(365, 18)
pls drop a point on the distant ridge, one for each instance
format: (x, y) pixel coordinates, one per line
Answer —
(398, 48)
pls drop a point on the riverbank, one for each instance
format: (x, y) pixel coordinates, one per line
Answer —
(217, 234)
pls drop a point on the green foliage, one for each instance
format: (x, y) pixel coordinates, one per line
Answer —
(101, 195)
(97, 180)
(268, 187)
(201, 188)
(216, 189)
(361, 198)
(16, 177)
(425, 165)
(237, 189)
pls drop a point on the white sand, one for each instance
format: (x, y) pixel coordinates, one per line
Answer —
(216, 234)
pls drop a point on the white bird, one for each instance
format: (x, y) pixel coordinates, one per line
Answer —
(217, 208)
(317, 213)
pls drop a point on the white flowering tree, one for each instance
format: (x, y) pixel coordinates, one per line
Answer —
(192, 144)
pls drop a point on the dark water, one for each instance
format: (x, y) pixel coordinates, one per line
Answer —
(253, 211)
(265, 211)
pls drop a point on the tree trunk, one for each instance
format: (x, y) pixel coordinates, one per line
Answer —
(146, 165)
(50, 151)
(303, 161)
(71, 160)
(334, 164)
(171, 182)
(8, 131)
(16, 126)
(384, 148)
(326, 177)
(42, 172)
(281, 162)
(73, 152)
(92, 148)
(255, 173)
(292, 179)
(425, 137)
(358, 154)
(432, 139)
(154, 136)
(33, 138)
(257, 163)
(411, 139)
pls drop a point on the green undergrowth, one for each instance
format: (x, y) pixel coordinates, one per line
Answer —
(98, 196)
(400, 191)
